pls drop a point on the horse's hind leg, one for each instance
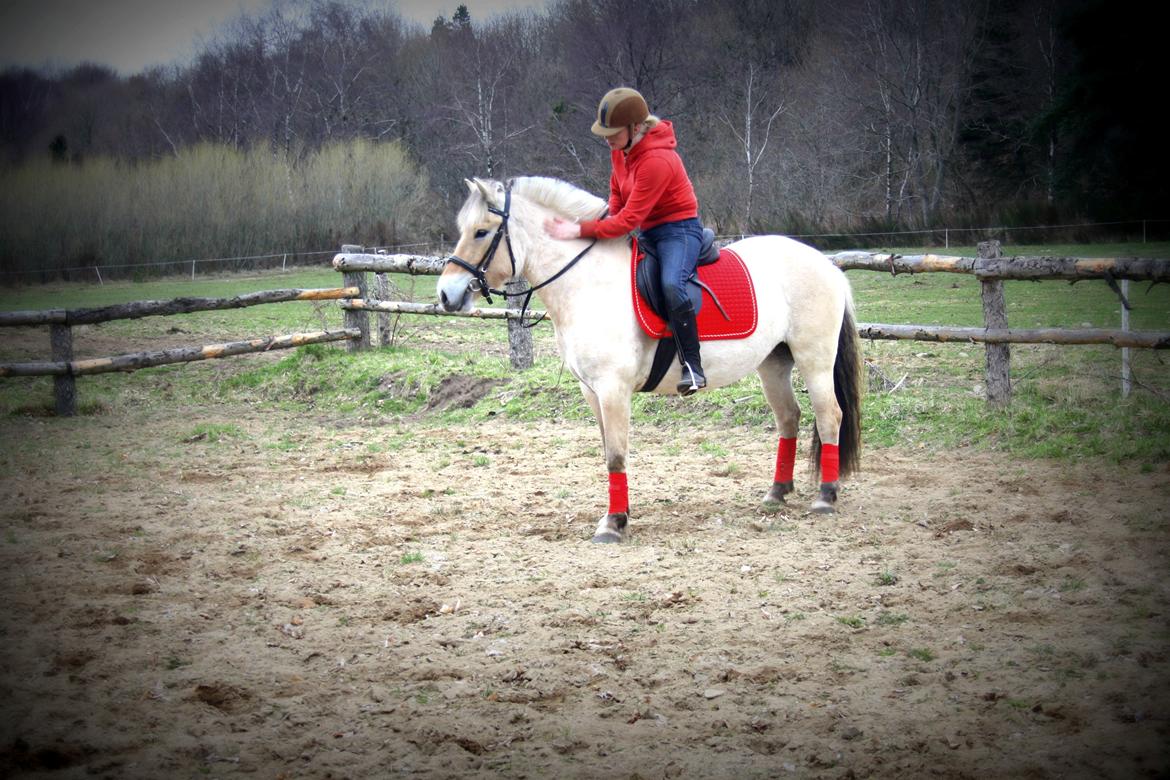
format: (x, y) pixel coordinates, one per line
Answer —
(819, 380)
(776, 375)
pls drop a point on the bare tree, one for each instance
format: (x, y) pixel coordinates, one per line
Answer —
(752, 127)
(480, 88)
(919, 57)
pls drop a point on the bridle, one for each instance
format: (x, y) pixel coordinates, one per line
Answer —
(479, 272)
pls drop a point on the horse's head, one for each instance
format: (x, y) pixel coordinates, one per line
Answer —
(482, 262)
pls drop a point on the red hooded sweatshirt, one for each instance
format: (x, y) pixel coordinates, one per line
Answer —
(649, 186)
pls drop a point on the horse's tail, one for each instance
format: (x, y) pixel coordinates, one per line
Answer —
(847, 379)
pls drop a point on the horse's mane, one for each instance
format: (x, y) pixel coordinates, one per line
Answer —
(560, 196)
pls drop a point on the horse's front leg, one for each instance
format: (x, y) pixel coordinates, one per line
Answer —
(612, 407)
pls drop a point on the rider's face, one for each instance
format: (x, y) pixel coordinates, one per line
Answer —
(618, 140)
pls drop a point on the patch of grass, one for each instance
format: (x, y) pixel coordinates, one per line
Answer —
(213, 433)
(886, 578)
(851, 620)
(713, 449)
(922, 654)
(891, 619)
(286, 443)
(411, 557)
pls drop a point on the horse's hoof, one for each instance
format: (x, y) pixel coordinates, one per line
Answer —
(825, 501)
(610, 528)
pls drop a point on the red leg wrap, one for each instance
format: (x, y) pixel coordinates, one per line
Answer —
(619, 493)
(830, 462)
(785, 460)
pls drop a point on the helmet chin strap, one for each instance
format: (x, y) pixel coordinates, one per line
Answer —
(629, 138)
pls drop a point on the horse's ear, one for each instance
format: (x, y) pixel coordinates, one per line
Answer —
(485, 189)
(470, 185)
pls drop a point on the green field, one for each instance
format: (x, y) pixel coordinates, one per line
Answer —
(1067, 400)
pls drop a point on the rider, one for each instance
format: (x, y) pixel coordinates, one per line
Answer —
(650, 191)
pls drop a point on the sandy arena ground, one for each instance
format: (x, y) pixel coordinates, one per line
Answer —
(316, 596)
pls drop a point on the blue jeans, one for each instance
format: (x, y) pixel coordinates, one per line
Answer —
(677, 245)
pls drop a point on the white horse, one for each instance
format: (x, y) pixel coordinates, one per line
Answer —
(805, 319)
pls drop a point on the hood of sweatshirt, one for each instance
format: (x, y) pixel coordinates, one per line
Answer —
(661, 136)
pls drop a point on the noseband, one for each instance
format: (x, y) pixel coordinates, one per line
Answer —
(479, 272)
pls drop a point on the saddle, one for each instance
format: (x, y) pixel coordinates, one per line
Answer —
(720, 275)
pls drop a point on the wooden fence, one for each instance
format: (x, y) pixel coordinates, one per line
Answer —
(990, 268)
(64, 368)
(358, 302)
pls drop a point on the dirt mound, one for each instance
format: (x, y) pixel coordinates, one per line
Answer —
(460, 391)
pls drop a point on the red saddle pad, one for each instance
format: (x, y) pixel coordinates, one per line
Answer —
(729, 279)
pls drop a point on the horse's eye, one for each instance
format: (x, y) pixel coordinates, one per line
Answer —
(480, 233)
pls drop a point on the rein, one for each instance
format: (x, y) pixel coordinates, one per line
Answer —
(479, 272)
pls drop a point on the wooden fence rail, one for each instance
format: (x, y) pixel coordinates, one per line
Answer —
(1010, 268)
(64, 369)
(138, 309)
(1068, 337)
(406, 307)
(133, 361)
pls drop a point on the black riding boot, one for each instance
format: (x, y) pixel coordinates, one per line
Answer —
(686, 336)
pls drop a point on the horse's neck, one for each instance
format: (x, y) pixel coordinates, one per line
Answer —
(545, 256)
(583, 286)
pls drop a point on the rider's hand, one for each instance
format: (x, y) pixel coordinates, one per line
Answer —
(562, 229)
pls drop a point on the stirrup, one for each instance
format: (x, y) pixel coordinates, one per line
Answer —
(689, 386)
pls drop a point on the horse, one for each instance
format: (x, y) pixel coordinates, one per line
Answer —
(805, 319)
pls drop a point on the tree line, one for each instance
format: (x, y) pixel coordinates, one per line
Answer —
(793, 116)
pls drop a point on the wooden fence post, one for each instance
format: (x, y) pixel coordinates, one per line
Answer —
(357, 319)
(519, 337)
(999, 380)
(65, 386)
(382, 293)
(1126, 371)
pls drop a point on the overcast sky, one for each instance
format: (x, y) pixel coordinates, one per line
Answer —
(131, 35)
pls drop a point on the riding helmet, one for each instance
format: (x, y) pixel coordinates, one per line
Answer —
(619, 109)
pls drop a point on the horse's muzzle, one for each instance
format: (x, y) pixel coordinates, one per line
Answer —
(455, 294)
